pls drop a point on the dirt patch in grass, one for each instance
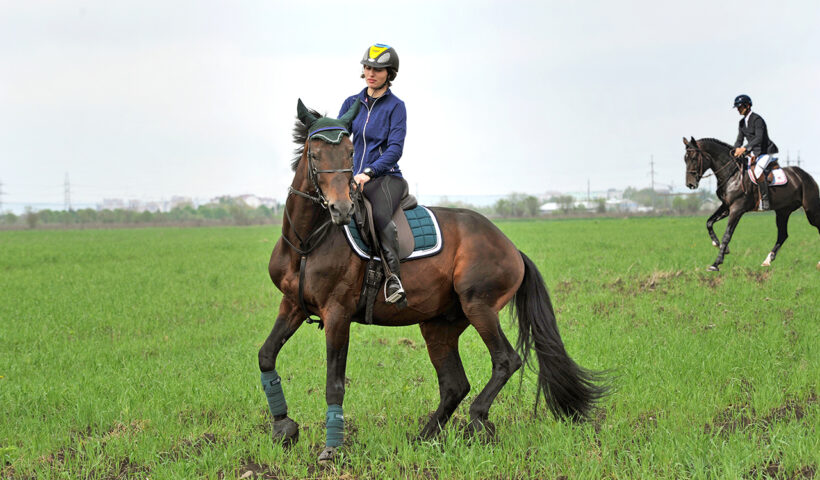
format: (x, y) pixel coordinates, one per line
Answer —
(711, 281)
(189, 448)
(252, 470)
(657, 278)
(729, 420)
(597, 419)
(738, 417)
(759, 276)
(407, 343)
(645, 421)
(564, 287)
(417, 471)
(125, 468)
(773, 469)
(638, 285)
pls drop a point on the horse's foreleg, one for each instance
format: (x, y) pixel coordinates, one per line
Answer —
(782, 235)
(337, 336)
(441, 336)
(719, 214)
(505, 362)
(734, 217)
(289, 320)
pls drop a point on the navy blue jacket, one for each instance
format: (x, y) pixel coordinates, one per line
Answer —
(378, 133)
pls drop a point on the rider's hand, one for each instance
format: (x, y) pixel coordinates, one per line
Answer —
(361, 179)
(740, 151)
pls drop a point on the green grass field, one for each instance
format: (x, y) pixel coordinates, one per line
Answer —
(132, 354)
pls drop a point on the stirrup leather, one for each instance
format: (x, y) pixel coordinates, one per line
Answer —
(398, 295)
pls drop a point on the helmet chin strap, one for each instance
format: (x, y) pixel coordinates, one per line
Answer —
(376, 89)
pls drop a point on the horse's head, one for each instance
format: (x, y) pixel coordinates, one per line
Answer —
(697, 162)
(327, 157)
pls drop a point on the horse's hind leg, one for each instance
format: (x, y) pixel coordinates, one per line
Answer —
(782, 235)
(289, 320)
(814, 217)
(504, 358)
(441, 336)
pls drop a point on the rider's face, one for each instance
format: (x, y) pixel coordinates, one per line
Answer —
(375, 77)
(743, 110)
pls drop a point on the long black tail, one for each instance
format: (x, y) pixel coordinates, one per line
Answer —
(569, 390)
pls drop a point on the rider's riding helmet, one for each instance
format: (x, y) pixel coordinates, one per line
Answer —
(742, 100)
(382, 56)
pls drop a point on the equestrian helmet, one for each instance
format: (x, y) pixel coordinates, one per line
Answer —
(382, 56)
(742, 100)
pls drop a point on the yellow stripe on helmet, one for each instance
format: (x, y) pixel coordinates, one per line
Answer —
(375, 51)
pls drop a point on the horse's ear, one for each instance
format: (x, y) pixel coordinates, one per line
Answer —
(693, 142)
(350, 114)
(685, 141)
(304, 114)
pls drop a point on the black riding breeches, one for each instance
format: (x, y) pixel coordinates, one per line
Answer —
(385, 194)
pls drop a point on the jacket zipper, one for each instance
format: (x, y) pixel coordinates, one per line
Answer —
(364, 139)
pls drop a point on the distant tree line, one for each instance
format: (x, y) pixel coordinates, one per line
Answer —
(520, 205)
(226, 211)
(231, 211)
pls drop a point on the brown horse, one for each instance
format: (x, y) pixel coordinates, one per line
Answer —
(738, 195)
(476, 274)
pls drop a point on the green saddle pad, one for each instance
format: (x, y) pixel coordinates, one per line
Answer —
(426, 234)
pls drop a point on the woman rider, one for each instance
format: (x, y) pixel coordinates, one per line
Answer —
(378, 140)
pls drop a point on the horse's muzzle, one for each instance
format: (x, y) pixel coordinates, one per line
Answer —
(340, 212)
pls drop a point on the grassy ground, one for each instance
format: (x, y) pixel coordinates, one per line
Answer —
(132, 354)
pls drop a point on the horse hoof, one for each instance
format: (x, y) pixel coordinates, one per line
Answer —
(712, 268)
(480, 430)
(715, 244)
(285, 431)
(818, 265)
(328, 455)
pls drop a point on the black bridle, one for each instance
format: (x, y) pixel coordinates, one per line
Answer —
(318, 234)
(699, 173)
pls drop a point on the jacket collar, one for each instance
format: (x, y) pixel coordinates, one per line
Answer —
(363, 94)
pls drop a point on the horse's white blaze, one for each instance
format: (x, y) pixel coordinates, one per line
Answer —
(768, 260)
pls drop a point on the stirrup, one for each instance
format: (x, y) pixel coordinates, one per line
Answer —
(398, 295)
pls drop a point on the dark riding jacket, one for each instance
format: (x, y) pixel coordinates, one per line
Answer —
(756, 135)
(378, 132)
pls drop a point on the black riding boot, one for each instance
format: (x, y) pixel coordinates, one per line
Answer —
(393, 290)
(764, 192)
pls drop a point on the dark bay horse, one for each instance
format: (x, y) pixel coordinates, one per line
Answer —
(477, 273)
(738, 194)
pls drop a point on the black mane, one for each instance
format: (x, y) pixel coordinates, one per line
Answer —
(300, 135)
(715, 140)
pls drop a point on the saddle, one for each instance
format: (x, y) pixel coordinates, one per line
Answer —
(363, 217)
(773, 174)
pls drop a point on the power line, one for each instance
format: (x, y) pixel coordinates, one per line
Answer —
(67, 187)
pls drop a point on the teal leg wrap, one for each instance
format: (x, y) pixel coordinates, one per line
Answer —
(335, 426)
(273, 390)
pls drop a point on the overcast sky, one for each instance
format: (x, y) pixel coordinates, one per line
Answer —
(148, 99)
